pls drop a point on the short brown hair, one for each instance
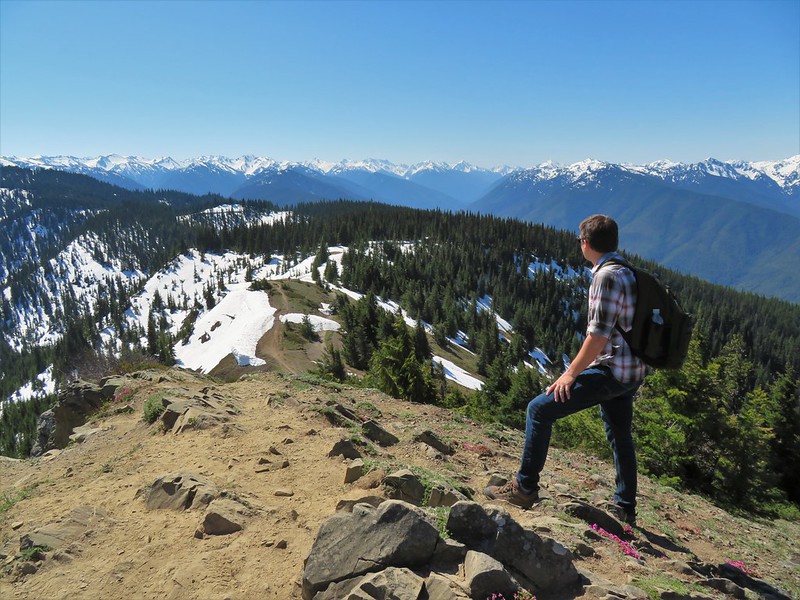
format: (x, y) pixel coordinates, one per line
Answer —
(600, 232)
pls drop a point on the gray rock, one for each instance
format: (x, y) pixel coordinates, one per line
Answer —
(109, 385)
(492, 530)
(355, 470)
(434, 441)
(441, 496)
(45, 430)
(80, 434)
(181, 491)
(677, 566)
(582, 549)
(635, 593)
(726, 586)
(486, 576)
(224, 516)
(345, 448)
(64, 531)
(497, 479)
(449, 552)
(469, 524)
(744, 580)
(338, 589)
(393, 583)
(172, 412)
(26, 568)
(542, 560)
(374, 431)
(368, 540)
(670, 595)
(404, 485)
(439, 587)
(348, 505)
(593, 515)
(75, 403)
(339, 415)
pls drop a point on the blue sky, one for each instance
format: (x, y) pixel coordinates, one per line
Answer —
(492, 83)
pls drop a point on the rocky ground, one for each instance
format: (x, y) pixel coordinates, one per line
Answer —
(262, 445)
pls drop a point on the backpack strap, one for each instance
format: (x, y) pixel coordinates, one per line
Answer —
(623, 263)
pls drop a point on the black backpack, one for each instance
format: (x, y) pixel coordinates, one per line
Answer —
(661, 328)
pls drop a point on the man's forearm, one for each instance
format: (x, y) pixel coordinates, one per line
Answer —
(592, 346)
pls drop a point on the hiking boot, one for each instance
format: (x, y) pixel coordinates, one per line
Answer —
(510, 492)
(625, 515)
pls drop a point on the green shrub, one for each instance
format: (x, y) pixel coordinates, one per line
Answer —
(153, 407)
(8, 500)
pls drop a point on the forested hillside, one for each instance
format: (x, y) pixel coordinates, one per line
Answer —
(728, 424)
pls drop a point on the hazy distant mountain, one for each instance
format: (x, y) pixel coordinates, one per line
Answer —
(463, 181)
(393, 189)
(717, 238)
(774, 185)
(424, 185)
(297, 183)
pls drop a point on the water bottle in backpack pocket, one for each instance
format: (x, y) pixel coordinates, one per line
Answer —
(661, 329)
(656, 335)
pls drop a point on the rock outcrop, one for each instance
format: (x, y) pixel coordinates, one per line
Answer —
(397, 545)
(75, 403)
(180, 491)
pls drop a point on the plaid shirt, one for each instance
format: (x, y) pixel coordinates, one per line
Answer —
(612, 300)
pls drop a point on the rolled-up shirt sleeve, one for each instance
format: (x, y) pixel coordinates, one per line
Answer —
(605, 303)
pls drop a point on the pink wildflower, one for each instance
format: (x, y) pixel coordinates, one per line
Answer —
(740, 565)
(626, 547)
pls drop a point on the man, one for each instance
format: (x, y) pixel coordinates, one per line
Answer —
(604, 372)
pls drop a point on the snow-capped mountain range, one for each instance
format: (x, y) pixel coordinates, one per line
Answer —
(735, 222)
(428, 184)
(135, 167)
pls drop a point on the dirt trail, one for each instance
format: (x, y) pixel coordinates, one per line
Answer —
(136, 553)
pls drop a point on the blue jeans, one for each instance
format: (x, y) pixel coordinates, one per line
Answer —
(596, 385)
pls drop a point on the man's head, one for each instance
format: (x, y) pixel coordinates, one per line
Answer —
(600, 232)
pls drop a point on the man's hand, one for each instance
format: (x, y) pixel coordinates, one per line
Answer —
(590, 348)
(561, 386)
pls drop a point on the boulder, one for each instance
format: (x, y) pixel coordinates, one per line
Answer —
(80, 434)
(486, 576)
(181, 491)
(109, 385)
(593, 515)
(197, 412)
(368, 540)
(449, 552)
(347, 505)
(355, 470)
(393, 583)
(440, 587)
(223, 516)
(492, 530)
(75, 403)
(445, 496)
(374, 431)
(345, 448)
(404, 485)
(434, 441)
(542, 560)
(45, 430)
(726, 586)
(469, 524)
